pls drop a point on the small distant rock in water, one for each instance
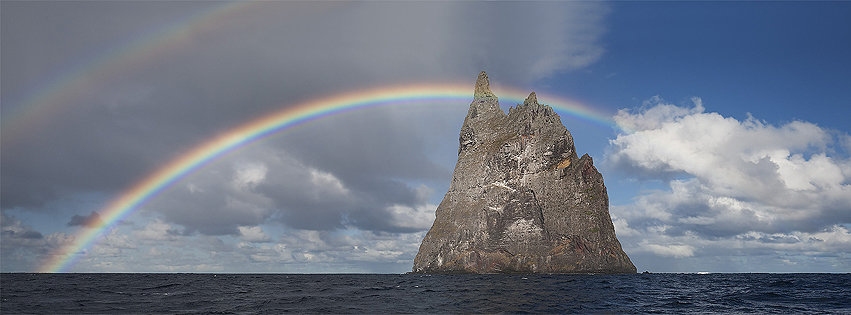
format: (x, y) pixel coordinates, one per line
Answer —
(521, 200)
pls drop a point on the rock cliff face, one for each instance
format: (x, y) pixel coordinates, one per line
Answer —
(521, 200)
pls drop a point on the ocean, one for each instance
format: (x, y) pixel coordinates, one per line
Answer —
(415, 293)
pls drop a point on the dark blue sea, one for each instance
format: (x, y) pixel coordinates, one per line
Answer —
(413, 293)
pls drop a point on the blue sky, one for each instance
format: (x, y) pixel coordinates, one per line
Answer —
(774, 59)
(737, 158)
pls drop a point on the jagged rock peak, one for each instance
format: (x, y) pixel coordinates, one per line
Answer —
(482, 86)
(485, 105)
(531, 99)
(520, 199)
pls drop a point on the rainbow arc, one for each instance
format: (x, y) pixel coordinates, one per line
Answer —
(286, 118)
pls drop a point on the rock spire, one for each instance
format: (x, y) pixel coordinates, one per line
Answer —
(482, 86)
(521, 200)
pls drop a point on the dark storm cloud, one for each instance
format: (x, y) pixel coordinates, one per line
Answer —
(265, 184)
(369, 147)
(211, 212)
(90, 220)
(44, 40)
(258, 60)
(371, 153)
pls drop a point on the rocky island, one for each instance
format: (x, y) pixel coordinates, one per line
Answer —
(521, 200)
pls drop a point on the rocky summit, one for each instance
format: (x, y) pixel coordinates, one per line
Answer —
(521, 200)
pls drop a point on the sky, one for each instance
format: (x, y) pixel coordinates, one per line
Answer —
(727, 147)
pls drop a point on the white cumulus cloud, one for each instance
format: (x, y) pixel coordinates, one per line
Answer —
(253, 234)
(416, 217)
(729, 181)
(326, 183)
(157, 230)
(677, 251)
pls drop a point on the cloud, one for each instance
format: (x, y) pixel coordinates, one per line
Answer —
(12, 228)
(92, 220)
(676, 251)
(253, 234)
(128, 124)
(157, 230)
(741, 183)
(326, 184)
(416, 218)
(267, 185)
(22, 248)
(248, 176)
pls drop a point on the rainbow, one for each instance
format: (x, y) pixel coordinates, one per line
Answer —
(286, 118)
(50, 98)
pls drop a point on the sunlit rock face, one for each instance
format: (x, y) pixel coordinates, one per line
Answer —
(521, 200)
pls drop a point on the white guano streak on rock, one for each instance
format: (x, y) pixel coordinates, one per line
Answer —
(503, 185)
(523, 227)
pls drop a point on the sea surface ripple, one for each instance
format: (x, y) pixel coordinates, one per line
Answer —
(22, 293)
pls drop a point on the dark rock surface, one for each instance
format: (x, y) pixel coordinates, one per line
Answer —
(521, 200)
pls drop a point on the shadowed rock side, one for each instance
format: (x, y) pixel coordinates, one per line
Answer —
(521, 201)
